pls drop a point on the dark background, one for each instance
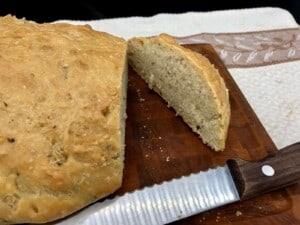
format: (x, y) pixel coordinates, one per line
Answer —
(50, 10)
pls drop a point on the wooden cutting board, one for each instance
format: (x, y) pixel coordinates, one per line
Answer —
(160, 147)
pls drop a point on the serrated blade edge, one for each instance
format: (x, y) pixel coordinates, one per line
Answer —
(169, 201)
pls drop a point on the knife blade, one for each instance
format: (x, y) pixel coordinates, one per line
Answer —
(196, 193)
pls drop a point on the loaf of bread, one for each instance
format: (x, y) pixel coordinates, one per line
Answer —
(62, 118)
(188, 82)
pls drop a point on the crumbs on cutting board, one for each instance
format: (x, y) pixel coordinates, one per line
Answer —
(151, 148)
(202, 219)
(238, 213)
(140, 98)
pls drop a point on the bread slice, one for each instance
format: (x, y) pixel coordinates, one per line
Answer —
(188, 82)
(62, 118)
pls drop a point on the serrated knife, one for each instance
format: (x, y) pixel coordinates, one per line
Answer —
(180, 198)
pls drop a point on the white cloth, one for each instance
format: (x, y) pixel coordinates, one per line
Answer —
(274, 94)
(196, 22)
(273, 91)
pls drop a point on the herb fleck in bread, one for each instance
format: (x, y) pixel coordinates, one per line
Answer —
(62, 118)
(188, 82)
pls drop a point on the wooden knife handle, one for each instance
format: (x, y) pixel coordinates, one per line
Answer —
(275, 171)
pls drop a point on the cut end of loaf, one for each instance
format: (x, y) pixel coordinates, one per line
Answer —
(188, 82)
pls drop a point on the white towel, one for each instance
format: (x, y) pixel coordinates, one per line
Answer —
(196, 22)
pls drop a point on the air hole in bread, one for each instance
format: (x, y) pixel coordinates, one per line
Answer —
(34, 208)
(11, 140)
(106, 111)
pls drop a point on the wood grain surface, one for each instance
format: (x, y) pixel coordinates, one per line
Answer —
(160, 147)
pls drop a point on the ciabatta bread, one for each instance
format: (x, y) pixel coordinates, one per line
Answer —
(62, 118)
(188, 82)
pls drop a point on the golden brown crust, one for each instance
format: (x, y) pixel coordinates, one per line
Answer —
(60, 117)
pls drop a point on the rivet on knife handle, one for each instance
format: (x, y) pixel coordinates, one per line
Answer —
(274, 171)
